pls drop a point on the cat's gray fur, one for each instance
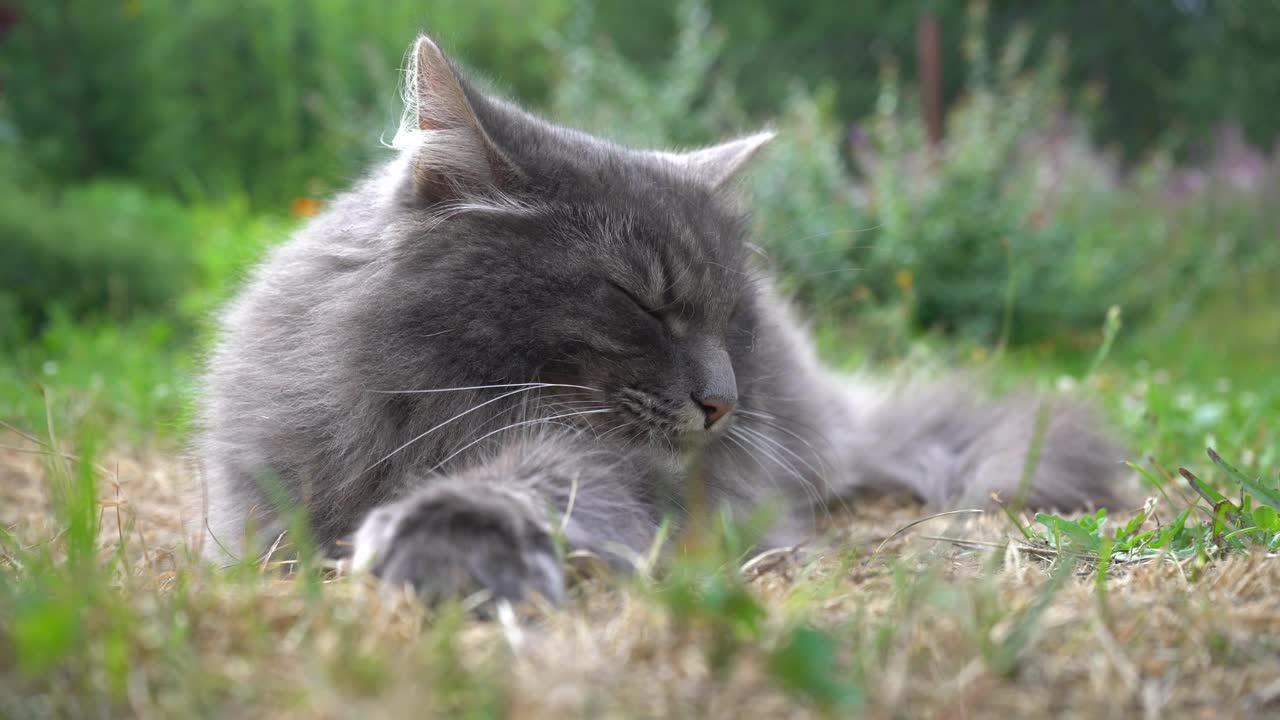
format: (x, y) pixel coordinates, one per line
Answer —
(499, 249)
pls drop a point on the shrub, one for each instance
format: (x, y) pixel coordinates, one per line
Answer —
(276, 98)
(1019, 226)
(1016, 226)
(997, 226)
(104, 291)
(105, 249)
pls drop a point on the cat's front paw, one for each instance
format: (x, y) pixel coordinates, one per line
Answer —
(452, 540)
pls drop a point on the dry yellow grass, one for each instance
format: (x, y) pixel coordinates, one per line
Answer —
(922, 625)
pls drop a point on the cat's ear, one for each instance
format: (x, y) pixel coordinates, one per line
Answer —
(719, 164)
(453, 155)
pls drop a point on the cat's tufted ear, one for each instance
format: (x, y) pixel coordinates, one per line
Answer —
(718, 164)
(453, 155)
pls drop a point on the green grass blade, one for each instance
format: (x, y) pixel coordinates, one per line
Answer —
(1262, 493)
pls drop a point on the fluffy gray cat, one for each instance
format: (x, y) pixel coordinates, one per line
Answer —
(515, 329)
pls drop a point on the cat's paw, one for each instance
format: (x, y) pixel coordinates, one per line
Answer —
(451, 541)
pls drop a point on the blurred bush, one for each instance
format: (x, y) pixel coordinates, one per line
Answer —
(1017, 227)
(280, 97)
(103, 250)
(107, 294)
(1006, 229)
(680, 100)
(1139, 67)
(275, 98)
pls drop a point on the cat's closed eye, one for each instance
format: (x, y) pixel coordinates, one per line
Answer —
(638, 303)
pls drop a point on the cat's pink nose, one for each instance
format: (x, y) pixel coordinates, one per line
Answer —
(714, 409)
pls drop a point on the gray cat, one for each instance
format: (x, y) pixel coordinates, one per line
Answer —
(515, 329)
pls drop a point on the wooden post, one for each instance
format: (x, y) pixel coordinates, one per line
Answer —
(930, 64)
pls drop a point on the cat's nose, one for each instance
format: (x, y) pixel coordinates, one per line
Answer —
(714, 408)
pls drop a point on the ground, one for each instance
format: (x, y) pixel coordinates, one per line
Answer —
(957, 616)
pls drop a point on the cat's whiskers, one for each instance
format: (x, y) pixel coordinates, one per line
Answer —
(527, 404)
(810, 491)
(740, 442)
(628, 422)
(763, 437)
(523, 388)
(522, 423)
(778, 422)
(530, 385)
(577, 406)
(568, 403)
(780, 445)
(622, 425)
(569, 400)
(809, 485)
(530, 403)
(767, 452)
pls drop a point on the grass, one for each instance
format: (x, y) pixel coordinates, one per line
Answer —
(130, 378)
(1163, 608)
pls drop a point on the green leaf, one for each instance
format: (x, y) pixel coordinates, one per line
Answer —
(45, 630)
(734, 603)
(1259, 491)
(1131, 527)
(1213, 497)
(1266, 518)
(1080, 537)
(1169, 535)
(806, 664)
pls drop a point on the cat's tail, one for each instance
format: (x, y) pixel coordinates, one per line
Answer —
(948, 445)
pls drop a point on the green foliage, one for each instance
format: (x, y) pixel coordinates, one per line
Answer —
(1209, 525)
(805, 207)
(1014, 228)
(679, 100)
(705, 591)
(1017, 227)
(1137, 69)
(279, 98)
(127, 375)
(1251, 488)
(1214, 397)
(111, 360)
(286, 97)
(807, 663)
(82, 630)
(102, 250)
(1229, 73)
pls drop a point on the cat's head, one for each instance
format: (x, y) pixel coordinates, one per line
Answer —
(532, 252)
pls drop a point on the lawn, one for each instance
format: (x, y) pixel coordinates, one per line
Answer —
(1166, 609)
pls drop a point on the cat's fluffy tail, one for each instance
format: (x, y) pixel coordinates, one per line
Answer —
(946, 444)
